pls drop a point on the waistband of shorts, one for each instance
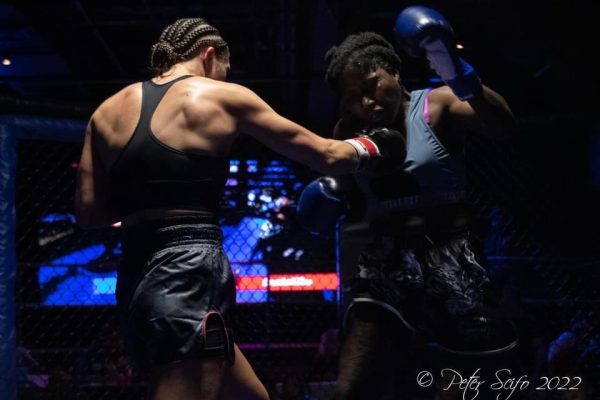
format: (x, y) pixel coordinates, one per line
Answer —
(428, 240)
(442, 223)
(175, 230)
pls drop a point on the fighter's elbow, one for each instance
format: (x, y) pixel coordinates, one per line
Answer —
(84, 217)
(87, 215)
(92, 221)
(505, 129)
(510, 128)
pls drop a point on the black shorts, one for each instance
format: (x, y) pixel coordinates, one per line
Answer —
(175, 292)
(437, 289)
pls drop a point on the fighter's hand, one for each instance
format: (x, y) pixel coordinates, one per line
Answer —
(391, 144)
(424, 32)
(321, 205)
(377, 146)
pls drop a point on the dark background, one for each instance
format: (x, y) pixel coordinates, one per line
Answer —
(538, 193)
(68, 56)
(540, 54)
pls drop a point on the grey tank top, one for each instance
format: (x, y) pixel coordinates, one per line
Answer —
(430, 175)
(435, 169)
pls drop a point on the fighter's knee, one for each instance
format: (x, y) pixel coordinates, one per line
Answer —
(367, 312)
(258, 396)
(341, 394)
(261, 394)
(345, 390)
(256, 392)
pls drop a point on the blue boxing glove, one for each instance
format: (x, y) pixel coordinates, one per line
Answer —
(321, 205)
(423, 32)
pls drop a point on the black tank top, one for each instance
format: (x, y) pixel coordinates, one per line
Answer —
(150, 174)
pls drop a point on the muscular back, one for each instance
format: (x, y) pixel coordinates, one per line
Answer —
(189, 118)
(196, 115)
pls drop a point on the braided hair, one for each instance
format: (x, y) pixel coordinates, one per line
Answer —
(363, 52)
(181, 41)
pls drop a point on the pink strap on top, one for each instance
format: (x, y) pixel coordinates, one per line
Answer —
(426, 107)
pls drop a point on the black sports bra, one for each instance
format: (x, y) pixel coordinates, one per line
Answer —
(150, 174)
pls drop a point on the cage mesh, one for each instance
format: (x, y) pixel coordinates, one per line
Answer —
(68, 338)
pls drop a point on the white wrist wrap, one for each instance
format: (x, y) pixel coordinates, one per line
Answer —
(365, 148)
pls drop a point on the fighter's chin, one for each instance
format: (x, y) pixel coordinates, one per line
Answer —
(379, 120)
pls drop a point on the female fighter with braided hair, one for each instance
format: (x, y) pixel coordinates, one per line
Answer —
(155, 158)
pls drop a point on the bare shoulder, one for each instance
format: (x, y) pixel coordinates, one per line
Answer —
(200, 91)
(234, 98)
(120, 103)
(444, 106)
(441, 96)
(198, 86)
(438, 103)
(118, 115)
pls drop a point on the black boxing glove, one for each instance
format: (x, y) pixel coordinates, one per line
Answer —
(379, 146)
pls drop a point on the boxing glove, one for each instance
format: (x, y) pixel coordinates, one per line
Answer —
(424, 32)
(379, 146)
(321, 205)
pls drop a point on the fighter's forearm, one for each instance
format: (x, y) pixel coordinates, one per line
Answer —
(339, 158)
(94, 216)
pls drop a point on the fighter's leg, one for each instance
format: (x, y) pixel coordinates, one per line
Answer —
(370, 353)
(187, 379)
(241, 383)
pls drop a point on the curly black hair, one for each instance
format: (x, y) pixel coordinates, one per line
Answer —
(364, 52)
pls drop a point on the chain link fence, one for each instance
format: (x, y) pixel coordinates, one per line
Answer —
(68, 338)
(287, 316)
(541, 246)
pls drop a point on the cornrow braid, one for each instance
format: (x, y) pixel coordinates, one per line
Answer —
(363, 52)
(182, 40)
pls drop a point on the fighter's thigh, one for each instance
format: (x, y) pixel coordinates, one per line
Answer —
(187, 379)
(241, 382)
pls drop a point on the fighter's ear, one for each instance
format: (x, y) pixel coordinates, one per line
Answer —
(207, 53)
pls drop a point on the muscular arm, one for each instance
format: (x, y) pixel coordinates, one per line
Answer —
(91, 207)
(255, 117)
(486, 113)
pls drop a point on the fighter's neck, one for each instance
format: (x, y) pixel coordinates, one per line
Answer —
(191, 67)
(399, 122)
